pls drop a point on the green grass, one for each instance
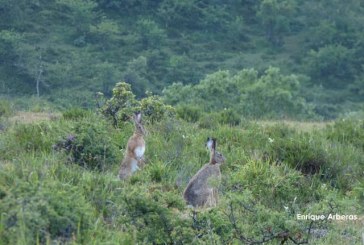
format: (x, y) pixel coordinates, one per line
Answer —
(48, 198)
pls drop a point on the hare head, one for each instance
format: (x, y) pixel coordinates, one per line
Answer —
(215, 156)
(139, 128)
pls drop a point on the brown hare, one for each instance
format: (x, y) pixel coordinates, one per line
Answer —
(134, 155)
(199, 191)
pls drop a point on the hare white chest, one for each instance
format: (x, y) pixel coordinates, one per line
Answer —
(139, 151)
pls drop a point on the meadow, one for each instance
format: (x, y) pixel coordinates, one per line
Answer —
(59, 185)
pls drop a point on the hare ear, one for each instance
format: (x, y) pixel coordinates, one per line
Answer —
(209, 143)
(213, 146)
(138, 116)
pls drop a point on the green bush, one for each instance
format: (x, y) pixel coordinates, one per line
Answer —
(5, 108)
(189, 113)
(303, 153)
(155, 215)
(154, 109)
(214, 119)
(37, 213)
(228, 117)
(335, 163)
(123, 104)
(90, 145)
(347, 132)
(208, 121)
(269, 95)
(34, 137)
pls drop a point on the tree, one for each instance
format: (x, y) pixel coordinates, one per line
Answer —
(275, 16)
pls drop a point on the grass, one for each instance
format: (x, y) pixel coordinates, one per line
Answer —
(47, 198)
(297, 125)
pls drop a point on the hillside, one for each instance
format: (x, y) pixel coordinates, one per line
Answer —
(64, 51)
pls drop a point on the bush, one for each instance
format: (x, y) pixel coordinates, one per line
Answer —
(313, 155)
(34, 137)
(90, 145)
(155, 215)
(229, 117)
(301, 152)
(270, 95)
(347, 132)
(153, 108)
(189, 113)
(6, 109)
(38, 213)
(123, 104)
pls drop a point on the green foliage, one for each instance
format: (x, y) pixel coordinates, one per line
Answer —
(5, 109)
(90, 145)
(189, 113)
(154, 108)
(75, 113)
(229, 117)
(33, 137)
(51, 49)
(47, 211)
(271, 95)
(123, 104)
(347, 132)
(151, 35)
(332, 66)
(302, 153)
(275, 16)
(314, 155)
(43, 200)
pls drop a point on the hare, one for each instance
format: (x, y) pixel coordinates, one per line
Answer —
(134, 156)
(199, 192)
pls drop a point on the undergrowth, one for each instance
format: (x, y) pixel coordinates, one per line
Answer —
(59, 185)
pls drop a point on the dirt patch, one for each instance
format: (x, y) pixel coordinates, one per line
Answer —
(31, 117)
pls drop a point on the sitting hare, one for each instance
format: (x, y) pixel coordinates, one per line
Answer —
(134, 156)
(199, 192)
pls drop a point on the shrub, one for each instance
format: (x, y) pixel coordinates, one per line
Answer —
(270, 95)
(347, 132)
(301, 152)
(208, 121)
(90, 145)
(153, 108)
(154, 215)
(335, 163)
(34, 137)
(5, 108)
(157, 172)
(36, 213)
(189, 113)
(229, 117)
(123, 103)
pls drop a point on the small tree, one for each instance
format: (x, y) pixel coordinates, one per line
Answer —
(121, 105)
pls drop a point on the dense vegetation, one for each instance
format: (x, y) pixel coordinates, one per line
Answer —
(54, 48)
(72, 72)
(59, 185)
